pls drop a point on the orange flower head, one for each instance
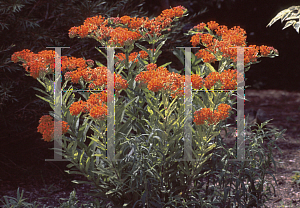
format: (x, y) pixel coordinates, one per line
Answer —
(211, 79)
(195, 40)
(207, 56)
(46, 127)
(197, 81)
(212, 25)
(264, 50)
(179, 11)
(125, 20)
(200, 27)
(143, 54)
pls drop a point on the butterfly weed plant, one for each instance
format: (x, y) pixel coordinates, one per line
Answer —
(150, 116)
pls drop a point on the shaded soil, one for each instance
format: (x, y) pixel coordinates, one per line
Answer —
(284, 108)
(46, 182)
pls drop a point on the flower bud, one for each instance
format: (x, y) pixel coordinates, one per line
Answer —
(90, 62)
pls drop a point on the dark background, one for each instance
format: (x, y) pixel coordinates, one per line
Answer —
(39, 24)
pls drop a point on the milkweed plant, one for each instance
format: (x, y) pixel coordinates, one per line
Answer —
(149, 118)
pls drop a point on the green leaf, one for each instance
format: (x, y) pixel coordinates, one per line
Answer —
(41, 82)
(142, 47)
(166, 64)
(47, 100)
(210, 67)
(297, 26)
(157, 53)
(102, 54)
(40, 91)
(87, 164)
(99, 63)
(159, 46)
(154, 107)
(66, 95)
(70, 165)
(179, 53)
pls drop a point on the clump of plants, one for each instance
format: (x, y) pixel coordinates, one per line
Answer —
(155, 140)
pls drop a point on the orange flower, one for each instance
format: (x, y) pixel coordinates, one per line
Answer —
(206, 56)
(95, 106)
(225, 45)
(195, 40)
(25, 54)
(151, 66)
(144, 77)
(125, 20)
(211, 79)
(97, 20)
(44, 62)
(250, 54)
(77, 107)
(212, 117)
(264, 50)
(207, 39)
(121, 57)
(212, 25)
(197, 81)
(136, 23)
(46, 127)
(97, 77)
(222, 29)
(201, 116)
(223, 109)
(120, 83)
(168, 13)
(143, 54)
(96, 27)
(179, 11)
(229, 79)
(99, 112)
(199, 27)
(159, 79)
(155, 84)
(234, 36)
(89, 26)
(122, 36)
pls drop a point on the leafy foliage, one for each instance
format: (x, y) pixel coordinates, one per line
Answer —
(289, 14)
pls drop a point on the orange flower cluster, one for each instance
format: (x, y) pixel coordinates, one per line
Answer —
(197, 81)
(132, 56)
(97, 77)
(46, 127)
(221, 45)
(211, 79)
(136, 28)
(88, 26)
(212, 117)
(228, 79)
(157, 79)
(44, 62)
(122, 36)
(94, 106)
(207, 56)
(212, 25)
(39, 64)
(265, 50)
(199, 27)
(131, 22)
